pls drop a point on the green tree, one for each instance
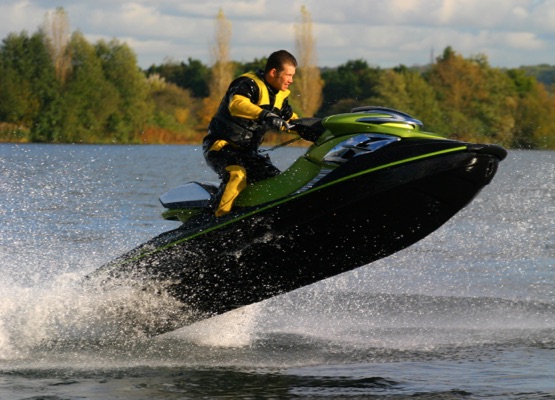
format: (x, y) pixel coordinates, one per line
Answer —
(531, 99)
(134, 107)
(477, 100)
(89, 100)
(16, 98)
(523, 83)
(193, 75)
(29, 88)
(175, 108)
(349, 85)
(407, 91)
(535, 127)
(544, 73)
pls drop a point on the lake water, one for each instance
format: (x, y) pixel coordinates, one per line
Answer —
(467, 313)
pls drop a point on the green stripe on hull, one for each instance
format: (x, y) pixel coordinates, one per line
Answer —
(289, 198)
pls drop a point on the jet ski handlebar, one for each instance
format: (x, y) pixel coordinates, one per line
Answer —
(307, 128)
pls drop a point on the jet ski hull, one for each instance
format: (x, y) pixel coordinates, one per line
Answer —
(370, 208)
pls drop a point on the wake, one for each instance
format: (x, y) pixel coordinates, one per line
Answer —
(64, 316)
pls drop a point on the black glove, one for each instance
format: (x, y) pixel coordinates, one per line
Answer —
(286, 111)
(273, 121)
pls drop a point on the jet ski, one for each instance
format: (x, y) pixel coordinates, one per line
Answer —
(372, 183)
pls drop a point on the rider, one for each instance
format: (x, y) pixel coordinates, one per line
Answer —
(254, 103)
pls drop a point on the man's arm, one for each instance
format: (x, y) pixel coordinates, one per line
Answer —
(241, 106)
(244, 95)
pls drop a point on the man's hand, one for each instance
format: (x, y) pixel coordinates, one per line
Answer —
(274, 121)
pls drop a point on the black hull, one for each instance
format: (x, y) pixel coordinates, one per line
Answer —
(257, 254)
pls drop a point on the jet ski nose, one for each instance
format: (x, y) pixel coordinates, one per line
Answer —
(491, 169)
(495, 154)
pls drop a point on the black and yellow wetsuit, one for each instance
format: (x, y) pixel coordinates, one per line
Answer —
(236, 132)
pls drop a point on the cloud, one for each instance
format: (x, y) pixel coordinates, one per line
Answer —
(385, 33)
(17, 16)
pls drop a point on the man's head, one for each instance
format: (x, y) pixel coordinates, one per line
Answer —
(280, 69)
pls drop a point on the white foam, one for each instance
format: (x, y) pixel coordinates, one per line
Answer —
(63, 313)
(236, 328)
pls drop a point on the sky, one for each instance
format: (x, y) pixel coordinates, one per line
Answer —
(385, 33)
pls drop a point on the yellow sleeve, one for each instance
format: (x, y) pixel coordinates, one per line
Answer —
(241, 106)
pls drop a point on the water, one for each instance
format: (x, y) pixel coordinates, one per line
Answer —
(467, 313)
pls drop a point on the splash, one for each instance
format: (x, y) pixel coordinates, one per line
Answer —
(62, 315)
(233, 329)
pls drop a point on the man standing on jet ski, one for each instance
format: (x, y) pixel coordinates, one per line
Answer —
(254, 103)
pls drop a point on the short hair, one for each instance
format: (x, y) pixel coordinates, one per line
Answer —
(279, 59)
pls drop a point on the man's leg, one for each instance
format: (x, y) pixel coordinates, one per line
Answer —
(259, 167)
(223, 158)
(234, 182)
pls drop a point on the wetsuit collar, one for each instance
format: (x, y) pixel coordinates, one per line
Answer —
(260, 74)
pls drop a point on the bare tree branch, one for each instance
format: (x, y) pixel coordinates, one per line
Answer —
(309, 82)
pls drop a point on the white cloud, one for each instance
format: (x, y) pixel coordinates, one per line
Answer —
(542, 17)
(17, 16)
(523, 40)
(520, 12)
(385, 33)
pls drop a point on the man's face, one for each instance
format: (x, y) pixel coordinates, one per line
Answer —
(281, 80)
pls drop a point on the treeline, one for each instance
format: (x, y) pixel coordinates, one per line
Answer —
(96, 93)
(98, 96)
